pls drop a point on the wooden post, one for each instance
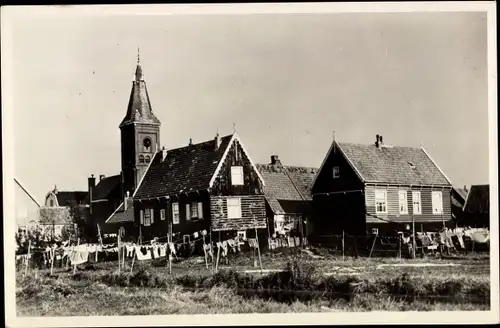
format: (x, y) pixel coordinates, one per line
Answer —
(118, 238)
(399, 244)
(123, 257)
(211, 248)
(170, 262)
(217, 261)
(373, 245)
(343, 246)
(205, 252)
(53, 257)
(28, 258)
(74, 266)
(414, 236)
(258, 249)
(133, 260)
(96, 254)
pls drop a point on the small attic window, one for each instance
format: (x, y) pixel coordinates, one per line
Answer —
(336, 172)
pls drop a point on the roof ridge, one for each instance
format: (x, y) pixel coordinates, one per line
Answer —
(199, 143)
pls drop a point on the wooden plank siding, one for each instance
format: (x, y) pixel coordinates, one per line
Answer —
(393, 204)
(253, 213)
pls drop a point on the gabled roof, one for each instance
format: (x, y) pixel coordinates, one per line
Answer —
(106, 186)
(280, 187)
(185, 169)
(67, 198)
(478, 200)
(139, 107)
(120, 215)
(461, 192)
(27, 192)
(392, 164)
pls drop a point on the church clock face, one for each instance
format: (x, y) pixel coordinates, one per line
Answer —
(147, 144)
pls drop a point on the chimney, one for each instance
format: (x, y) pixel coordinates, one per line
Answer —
(91, 190)
(101, 177)
(275, 160)
(465, 188)
(125, 201)
(381, 141)
(163, 153)
(377, 143)
(217, 141)
(190, 141)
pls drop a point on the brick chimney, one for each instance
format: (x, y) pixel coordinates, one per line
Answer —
(377, 142)
(163, 153)
(275, 160)
(190, 141)
(91, 186)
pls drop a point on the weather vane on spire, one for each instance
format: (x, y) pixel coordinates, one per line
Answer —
(138, 55)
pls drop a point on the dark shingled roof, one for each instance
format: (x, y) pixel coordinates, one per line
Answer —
(184, 169)
(478, 200)
(139, 107)
(279, 186)
(394, 164)
(67, 198)
(106, 186)
(121, 215)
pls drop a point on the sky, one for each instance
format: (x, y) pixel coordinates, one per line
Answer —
(286, 81)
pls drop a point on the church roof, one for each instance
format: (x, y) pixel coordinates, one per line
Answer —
(139, 107)
(106, 186)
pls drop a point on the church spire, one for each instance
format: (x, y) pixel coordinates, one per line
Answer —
(139, 108)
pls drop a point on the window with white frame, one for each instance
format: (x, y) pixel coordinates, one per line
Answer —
(237, 175)
(141, 215)
(336, 172)
(147, 217)
(417, 207)
(194, 210)
(175, 213)
(233, 207)
(162, 214)
(381, 201)
(437, 202)
(200, 210)
(188, 212)
(403, 202)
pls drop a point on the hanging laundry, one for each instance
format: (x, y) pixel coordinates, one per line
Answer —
(172, 248)
(480, 236)
(163, 251)
(78, 257)
(252, 242)
(195, 235)
(142, 253)
(460, 236)
(130, 250)
(224, 248)
(156, 254)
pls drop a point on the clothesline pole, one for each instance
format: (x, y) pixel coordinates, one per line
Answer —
(133, 260)
(343, 246)
(373, 245)
(217, 262)
(74, 266)
(413, 236)
(52, 255)
(258, 249)
(27, 258)
(170, 262)
(211, 248)
(123, 258)
(205, 251)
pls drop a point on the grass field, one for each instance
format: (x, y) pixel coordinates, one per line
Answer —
(329, 283)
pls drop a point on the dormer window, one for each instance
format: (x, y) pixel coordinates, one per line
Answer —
(336, 172)
(141, 159)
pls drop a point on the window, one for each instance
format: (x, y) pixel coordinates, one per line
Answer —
(417, 208)
(403, 202)
(148, 159)
(234, 208)
(147, 144)
(237, 175)
(51, 202)
(141, 214)
(141, 159)
(194, 210)
(381, 201)
(175, 213)
(437, 202)
(147, 217)
(188, 212)
(336, 172)
(162, 214)
(242, 235)
(200, 210)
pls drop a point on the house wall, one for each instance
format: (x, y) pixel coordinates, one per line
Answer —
(27, 211)
(393, 204)
(338, 211)
(253, 213)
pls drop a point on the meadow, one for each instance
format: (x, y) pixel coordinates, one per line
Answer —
(293, 280)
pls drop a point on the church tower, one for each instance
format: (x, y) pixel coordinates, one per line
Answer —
(140, 133)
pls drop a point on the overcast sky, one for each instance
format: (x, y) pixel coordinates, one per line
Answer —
(286, 80)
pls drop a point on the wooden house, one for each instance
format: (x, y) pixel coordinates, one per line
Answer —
(477, 207)
(288, 197)
(360, 188)
(105, 198)
(212, 186)
(458, 197)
